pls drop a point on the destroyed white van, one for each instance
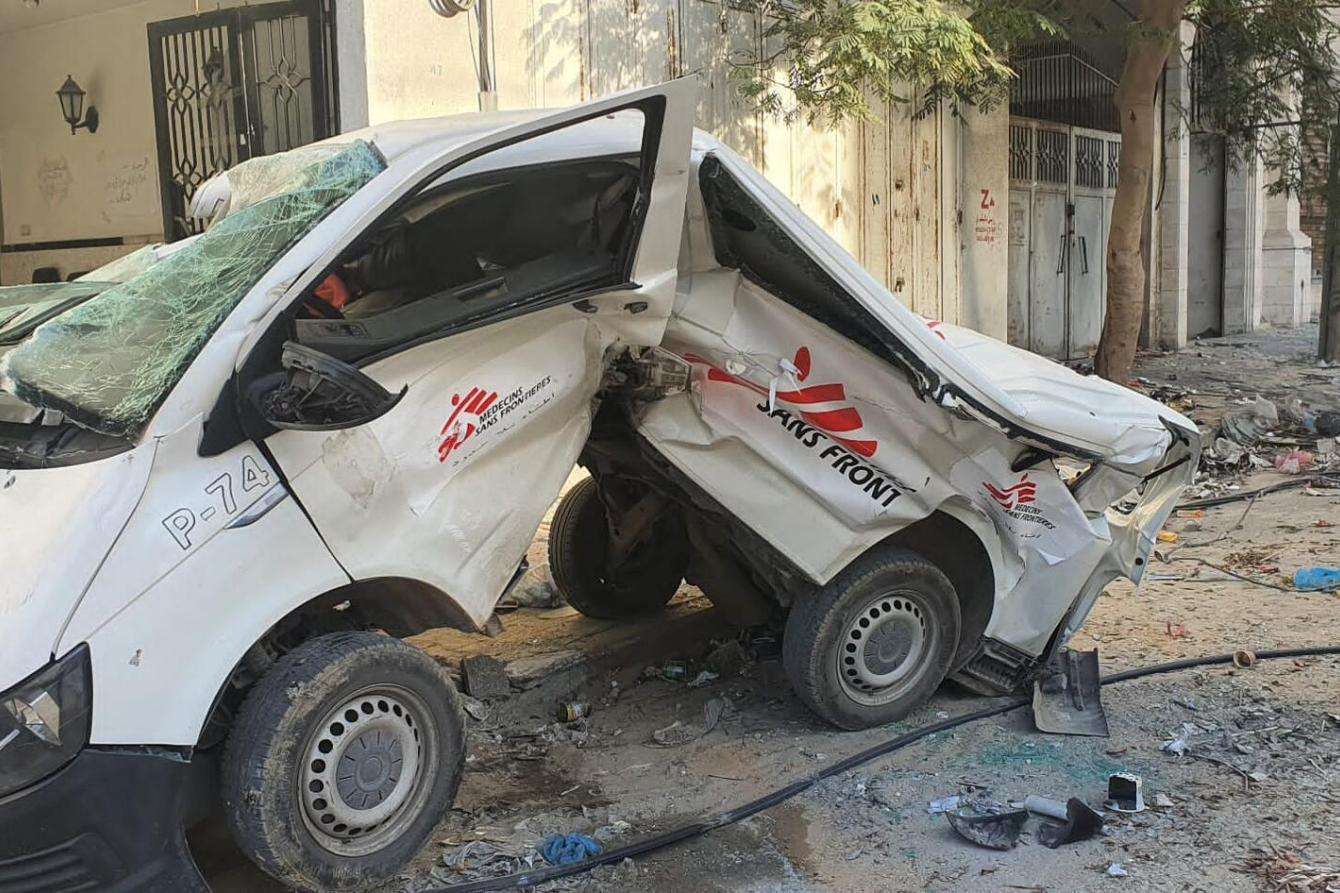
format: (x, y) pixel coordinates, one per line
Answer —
(235, 471)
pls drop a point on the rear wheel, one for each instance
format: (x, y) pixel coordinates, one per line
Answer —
(342, 760)
(875, 642)
(594, 577)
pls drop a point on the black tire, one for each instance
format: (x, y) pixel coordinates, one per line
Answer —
(285, 724)
(578, 543)
(838, 669)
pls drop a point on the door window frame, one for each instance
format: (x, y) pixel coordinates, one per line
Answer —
(653, 112)
(233, 418)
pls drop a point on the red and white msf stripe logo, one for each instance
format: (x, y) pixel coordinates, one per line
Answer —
(1021, 493)
(822, 402)
(464, 419)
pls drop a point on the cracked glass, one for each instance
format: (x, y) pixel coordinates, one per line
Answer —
(109, 362)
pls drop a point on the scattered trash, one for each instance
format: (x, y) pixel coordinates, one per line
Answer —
(989, 824)
(1162, 801)
(1327, 423)
(1180, 743)
(943, 805)
(1045, 806)
(674, 670)
(1115, 870)
(481, 859)
(1079, 820)
(1247, 426)
(1244, 659)
(614, 830)
(1175, 631)
(1326, 446)
(703, 678)
(1312, 579)
(573, 711)
(1167, 536)
(1227, 451)
(1125, 792)
(1286, 871)
(569, 849)
(1295, 461)
(484, 677)
(678, 733)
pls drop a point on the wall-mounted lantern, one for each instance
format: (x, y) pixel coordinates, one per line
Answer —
(72, 107)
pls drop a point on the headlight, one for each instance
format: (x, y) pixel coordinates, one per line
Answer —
(44, 721)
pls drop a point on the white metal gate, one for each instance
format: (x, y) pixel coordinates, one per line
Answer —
(1062, 180)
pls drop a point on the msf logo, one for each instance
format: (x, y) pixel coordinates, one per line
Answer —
(823, 406)
(1021, 493)
(464, 420)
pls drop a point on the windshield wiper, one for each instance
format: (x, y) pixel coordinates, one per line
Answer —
(50, 446)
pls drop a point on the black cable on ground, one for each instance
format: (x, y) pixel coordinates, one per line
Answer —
(753, 807)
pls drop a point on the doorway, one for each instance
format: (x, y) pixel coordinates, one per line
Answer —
(234, 84)
(1205, 239)
(1062, 182)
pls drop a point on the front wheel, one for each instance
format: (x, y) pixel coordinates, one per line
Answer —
(875, 642)
(342, 760)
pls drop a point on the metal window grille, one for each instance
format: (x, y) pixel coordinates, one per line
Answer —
(1057, 83)
(1021, 152)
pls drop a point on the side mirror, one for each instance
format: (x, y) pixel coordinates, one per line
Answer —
(324, 394)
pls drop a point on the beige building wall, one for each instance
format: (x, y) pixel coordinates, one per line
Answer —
(891, 189)
(902, 195)
(55, 186)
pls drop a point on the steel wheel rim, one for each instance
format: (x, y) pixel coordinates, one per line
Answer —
(367, 770)
(882, 647)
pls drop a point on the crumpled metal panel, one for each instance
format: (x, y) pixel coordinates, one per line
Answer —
(111, 361)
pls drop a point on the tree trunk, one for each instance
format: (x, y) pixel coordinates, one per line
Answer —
(1151, 39)
(1329, 348)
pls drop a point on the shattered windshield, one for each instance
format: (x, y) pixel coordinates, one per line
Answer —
(110, 361)
(24, 307)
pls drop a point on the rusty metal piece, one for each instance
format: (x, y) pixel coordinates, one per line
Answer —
(988, 824)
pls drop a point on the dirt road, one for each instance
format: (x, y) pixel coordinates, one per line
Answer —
(1259, 775)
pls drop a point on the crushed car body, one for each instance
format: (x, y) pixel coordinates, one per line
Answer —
(347, 403)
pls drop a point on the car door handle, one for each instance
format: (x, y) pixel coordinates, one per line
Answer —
(1084, 254)
(584, 306)
(1060, 259)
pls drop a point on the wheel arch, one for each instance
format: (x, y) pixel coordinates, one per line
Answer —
(946, 539)
(399, 606)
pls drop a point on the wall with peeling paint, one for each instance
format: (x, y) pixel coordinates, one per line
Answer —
(59, 187)
(902, 195)
(890, 189)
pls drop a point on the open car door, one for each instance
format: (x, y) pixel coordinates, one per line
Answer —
(489, 386)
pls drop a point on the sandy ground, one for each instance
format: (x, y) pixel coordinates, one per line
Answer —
(1260, 774)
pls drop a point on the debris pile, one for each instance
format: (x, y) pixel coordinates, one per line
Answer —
(1254, 741)
(1287, 872)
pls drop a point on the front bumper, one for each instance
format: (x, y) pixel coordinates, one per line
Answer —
(110, 820)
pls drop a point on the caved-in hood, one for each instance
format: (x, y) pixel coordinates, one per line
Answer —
(56, 527)
(1123, 427)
